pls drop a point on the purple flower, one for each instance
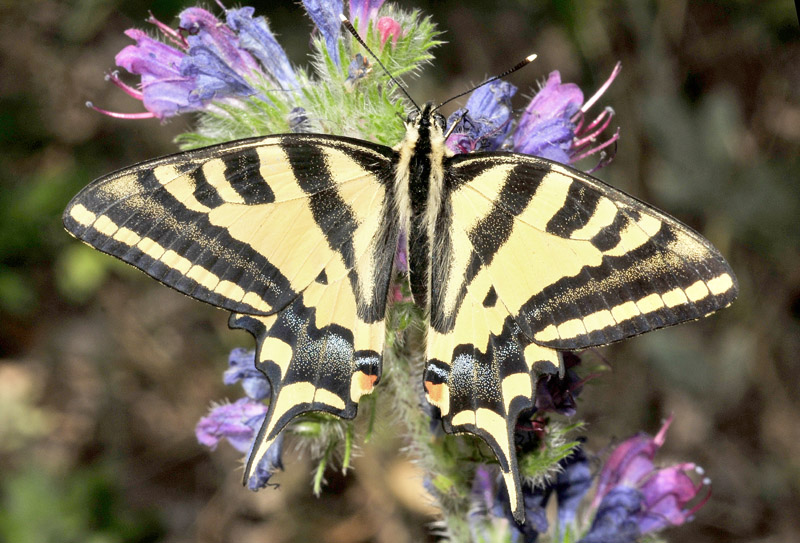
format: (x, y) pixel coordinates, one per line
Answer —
(557, 394)
(205, 65)
(615, 519)
(490, 499)
(219, 67)
(325, 14)
(486, 119)
(363, 11)
(242, 367)
(206, 31)
(552, 125)
(665, 494)
(237, 422)
(545, 128)
(571, 485)
(268, 465)
(164, 90)
(255, 37)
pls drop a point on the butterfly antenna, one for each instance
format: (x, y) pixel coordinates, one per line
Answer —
(527, 60)
(350, 28)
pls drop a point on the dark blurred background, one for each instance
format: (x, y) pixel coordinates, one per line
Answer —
(103, 373)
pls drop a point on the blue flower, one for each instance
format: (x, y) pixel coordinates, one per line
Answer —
(256, 37)
(219, 67)
(236, 422)
(663, 496)
(571, 485)
(325, 14)
(486, 120)
(270, 463)
(242, 367)
(615, 519)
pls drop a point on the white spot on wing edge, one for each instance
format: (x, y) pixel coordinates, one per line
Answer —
(82, 215)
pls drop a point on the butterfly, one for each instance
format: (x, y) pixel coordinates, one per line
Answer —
(514, 259)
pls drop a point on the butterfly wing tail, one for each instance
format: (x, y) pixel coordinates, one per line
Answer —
(310, 366)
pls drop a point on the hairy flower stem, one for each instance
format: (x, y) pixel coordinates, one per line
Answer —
(403, 358)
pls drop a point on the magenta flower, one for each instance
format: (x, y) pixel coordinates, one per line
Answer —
(389, 28)
(665, 495)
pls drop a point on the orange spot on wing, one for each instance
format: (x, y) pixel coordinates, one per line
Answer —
(366, 382)
(434, 392)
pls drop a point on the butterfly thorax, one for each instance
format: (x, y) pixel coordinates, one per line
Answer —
(418, 184)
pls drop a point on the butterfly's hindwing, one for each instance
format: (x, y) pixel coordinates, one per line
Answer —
(317, 357)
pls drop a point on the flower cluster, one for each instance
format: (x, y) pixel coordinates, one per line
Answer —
(226, 70)
(551, 126)
(632, 498)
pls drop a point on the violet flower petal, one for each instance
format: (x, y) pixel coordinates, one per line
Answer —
(325, 14)
(165, 92)
(545, 128)
(237, 422)
(616, 518)
(362, 11)
(630, 462)
(242, 367)
(205, 30)
(256, 37)
(666, 494)
(270, 463)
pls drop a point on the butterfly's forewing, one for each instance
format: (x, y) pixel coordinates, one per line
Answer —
(295, 234)
(537, 257)
(577, 262)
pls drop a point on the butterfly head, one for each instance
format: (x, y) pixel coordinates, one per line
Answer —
(427, 120)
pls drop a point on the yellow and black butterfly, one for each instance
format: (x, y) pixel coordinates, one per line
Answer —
(513, 258)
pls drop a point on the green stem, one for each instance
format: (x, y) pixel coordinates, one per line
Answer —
(449, 483)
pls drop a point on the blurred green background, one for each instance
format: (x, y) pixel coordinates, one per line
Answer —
(103, 373)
